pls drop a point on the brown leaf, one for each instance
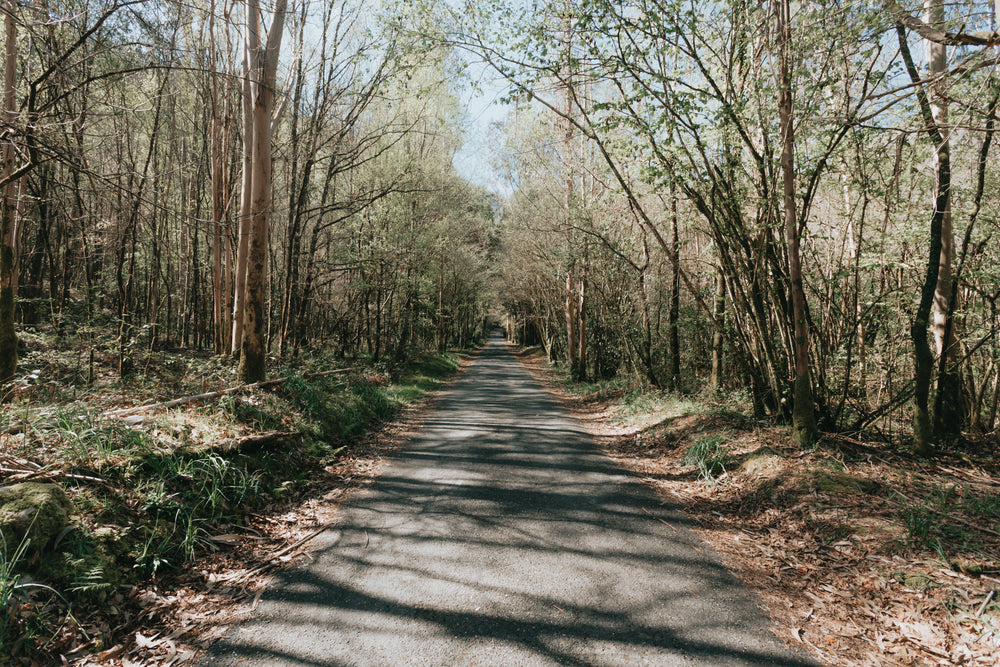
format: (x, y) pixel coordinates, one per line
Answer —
(112, 652)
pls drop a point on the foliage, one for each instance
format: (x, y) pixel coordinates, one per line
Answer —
(672, 115)
(709, 455)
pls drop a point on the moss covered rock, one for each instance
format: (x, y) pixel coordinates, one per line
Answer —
(840, 483)
(34, 510)
(87, 564)
(919, 581)
(761, 463)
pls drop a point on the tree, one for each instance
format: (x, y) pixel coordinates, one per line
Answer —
(8, 201)
(803, 410)
(219, 144)
(261, 60)
(937, 291)
(948, 416)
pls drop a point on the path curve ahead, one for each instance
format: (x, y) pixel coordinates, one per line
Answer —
(501, 535)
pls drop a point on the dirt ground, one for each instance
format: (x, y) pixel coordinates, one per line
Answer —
(864, 555)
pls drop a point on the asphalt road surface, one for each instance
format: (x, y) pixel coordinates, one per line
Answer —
(500, 535)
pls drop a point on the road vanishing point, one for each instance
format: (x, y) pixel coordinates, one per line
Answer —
(501, 535)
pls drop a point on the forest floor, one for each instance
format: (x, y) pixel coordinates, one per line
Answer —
(860, 552)
(181, 515)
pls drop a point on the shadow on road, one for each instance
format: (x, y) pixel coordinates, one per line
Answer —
(501, 536)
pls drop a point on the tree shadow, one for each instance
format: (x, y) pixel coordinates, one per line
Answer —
(502, 535)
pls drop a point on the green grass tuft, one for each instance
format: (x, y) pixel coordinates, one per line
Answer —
(709, 455)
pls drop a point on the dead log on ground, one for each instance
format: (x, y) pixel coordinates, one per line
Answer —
(256, 441)
(183, 400)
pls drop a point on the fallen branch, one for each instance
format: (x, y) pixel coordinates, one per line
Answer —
(249, 442)
(982, 607)
(274, 560)
(24, 464)
(659, 519)
(13, 429)
(125, 412)
(46, 475)
(924, 647)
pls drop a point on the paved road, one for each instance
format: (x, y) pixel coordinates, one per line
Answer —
(502, 536)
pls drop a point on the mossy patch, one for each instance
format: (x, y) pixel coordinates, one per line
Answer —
(918, 581)
(761, 463)
(86, 562)
(965, 566)
(34, 510)
(840, 483)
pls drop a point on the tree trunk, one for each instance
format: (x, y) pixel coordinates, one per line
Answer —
(296, 200)
(220, 195)
(923, 357)
(571, 296)
(572, 348)
(719, 312)
(647, 329)
(244, 229)
(581, 320)
(803, 409)
(8, 206)
(949, 417)
(675, 295)
(263, 59)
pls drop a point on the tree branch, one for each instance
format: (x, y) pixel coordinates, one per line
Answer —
(980, 38)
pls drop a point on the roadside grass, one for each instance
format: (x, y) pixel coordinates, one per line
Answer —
(154, 496)
(864, 554)
(640, 408)
(709, 455)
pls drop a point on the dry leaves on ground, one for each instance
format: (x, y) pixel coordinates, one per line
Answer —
(830, 539)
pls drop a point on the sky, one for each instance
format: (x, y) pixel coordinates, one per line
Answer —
(485, 115)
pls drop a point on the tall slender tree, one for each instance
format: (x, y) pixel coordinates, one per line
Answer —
(262, 51)
(8, 201)
(803, 410)
(948, 414)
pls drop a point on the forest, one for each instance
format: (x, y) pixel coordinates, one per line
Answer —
(786, 209)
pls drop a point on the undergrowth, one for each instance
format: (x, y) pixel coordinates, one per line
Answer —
(150, 498)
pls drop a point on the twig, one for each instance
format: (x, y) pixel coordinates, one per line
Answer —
(31, 470)
(980, 480)
(13, 429)
(659, 519)
(273, 558)
(982, 607)
(924, 647)
(18, 388)
(24, 463)
(27, 475)
(255, 441)
(299, 543)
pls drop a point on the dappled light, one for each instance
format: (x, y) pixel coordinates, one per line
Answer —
(501, 535)
(716, 273)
